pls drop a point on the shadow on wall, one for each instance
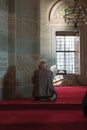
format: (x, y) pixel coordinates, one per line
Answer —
(9, 84)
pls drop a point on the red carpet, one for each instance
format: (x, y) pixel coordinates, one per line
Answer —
(64, 113)
(40, 119)
(71, 94)
(66, 95)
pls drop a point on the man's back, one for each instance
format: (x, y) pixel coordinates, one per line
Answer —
(43, 82)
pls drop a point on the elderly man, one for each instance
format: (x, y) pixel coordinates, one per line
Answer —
(43, 83)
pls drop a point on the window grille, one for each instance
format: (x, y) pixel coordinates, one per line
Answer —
(68, 54)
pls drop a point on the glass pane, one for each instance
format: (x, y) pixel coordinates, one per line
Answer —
(68, 54)
(66, 61)
(65, 43)
(60, 43)
(70, 62)
(60, 61)
(69, 43)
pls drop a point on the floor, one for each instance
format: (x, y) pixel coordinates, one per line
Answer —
(65, 113)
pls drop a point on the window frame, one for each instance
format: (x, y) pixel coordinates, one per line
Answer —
(64, 71)
(65, 29)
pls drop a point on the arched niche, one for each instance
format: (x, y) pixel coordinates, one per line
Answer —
(57, 11)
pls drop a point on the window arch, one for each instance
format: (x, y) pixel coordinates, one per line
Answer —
(58, 9)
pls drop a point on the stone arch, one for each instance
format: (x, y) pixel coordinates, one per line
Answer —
(56, 11)
(51, 7)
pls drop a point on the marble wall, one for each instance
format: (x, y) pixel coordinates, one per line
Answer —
(3, 40)
(27, 47)
(19, 46)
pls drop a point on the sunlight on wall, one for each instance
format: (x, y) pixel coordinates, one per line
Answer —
(57, 78)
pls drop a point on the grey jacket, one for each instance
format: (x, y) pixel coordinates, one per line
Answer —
(42, 83)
